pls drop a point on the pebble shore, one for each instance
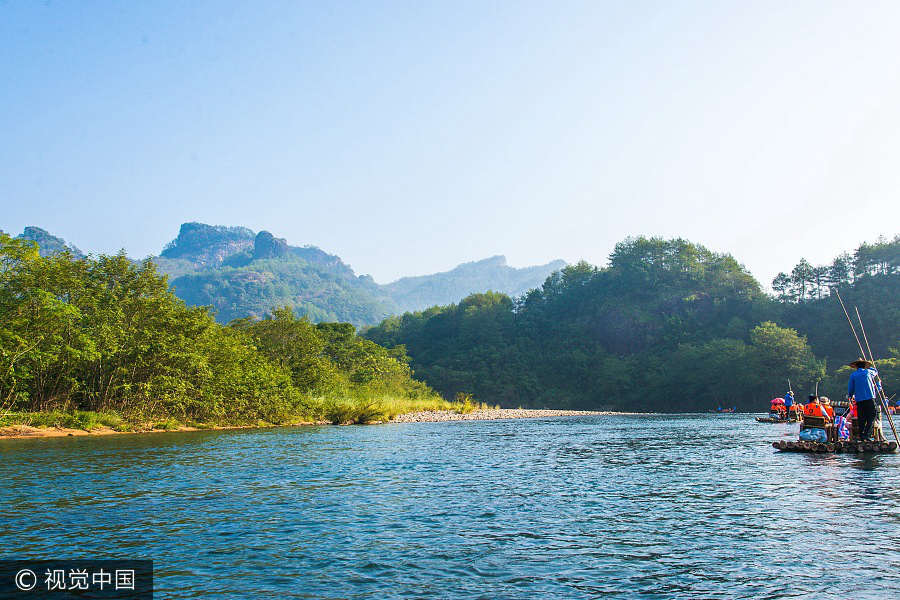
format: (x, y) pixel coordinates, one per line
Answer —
(433, 416)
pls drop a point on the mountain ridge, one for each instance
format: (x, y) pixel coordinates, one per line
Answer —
(48, 243)
(242, 273)
(422, 291)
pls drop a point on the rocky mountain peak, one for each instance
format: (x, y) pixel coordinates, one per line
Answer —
(48, 243)
(208, 244)
(267, 245)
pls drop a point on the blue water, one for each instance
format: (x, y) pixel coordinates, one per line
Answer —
(690, 506)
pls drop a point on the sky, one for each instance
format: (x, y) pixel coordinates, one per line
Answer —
(408, 137)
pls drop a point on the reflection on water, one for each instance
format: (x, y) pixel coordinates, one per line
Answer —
(568, 508)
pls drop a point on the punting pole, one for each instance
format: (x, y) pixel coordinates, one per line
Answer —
(865, 337)
(852, 328)
(879, 392)
(862, 352)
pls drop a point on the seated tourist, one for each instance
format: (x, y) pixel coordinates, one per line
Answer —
(826, 406)
(814, 408)
(830, 425)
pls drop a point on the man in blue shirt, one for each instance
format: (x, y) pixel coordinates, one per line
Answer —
(789, 401)
(863, 387)
(788, 404)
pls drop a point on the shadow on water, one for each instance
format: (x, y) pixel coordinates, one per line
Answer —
(679, 506)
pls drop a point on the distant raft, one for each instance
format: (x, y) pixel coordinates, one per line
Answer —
(775, 420)
(837, 447)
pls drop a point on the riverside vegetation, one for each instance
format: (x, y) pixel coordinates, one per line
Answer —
(86, 342)
(667, 326)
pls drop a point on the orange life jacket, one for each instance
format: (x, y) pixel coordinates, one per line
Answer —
(814, 409)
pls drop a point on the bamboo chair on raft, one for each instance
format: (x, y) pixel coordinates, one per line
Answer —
(810, 421)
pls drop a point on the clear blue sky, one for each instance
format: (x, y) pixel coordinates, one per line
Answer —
(409, 137)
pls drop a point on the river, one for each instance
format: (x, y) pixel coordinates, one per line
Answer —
(689, 506)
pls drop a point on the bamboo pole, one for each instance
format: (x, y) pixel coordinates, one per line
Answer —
(879, 391)
(852, 328)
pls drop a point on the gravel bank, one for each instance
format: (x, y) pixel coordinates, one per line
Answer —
(431, 416)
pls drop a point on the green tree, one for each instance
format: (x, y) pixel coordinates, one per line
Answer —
(294, 344)
(784, 354)
(782, 287)
(802, 278)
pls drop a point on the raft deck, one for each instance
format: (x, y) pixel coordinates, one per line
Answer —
(836, 447)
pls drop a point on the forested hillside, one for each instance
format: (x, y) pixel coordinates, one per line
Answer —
(243, 274)
(869, 279)
(667, 325)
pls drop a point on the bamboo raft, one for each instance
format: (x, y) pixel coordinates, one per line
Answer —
(836, 447)
(771, 420)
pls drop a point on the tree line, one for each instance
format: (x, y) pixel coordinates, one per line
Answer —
(667, 325)
(105, 334)
(806, 282)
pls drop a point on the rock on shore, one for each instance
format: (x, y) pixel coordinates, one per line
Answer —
(431, 416)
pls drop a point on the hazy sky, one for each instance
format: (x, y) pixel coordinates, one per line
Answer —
(409, 137)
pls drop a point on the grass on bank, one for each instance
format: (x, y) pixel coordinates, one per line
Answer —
(87, 420)
(345, 410)
(372, 409)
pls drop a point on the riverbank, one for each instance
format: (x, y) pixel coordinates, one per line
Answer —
(27, 431)
(424, 416)
(490, 414)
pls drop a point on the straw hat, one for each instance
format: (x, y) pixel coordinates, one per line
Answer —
(861, 363)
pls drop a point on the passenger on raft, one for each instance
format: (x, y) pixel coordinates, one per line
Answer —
(843, 424)
(862, 387)
(816, 408)
(831, 428)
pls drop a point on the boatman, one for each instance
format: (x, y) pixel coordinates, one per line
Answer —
(862, 387)
(788, 401)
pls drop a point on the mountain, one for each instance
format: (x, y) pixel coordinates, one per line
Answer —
(48, 244)
(242, 273)
(417, 293)
(245, 274)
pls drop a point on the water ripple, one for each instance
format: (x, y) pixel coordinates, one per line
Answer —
(650, 506)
